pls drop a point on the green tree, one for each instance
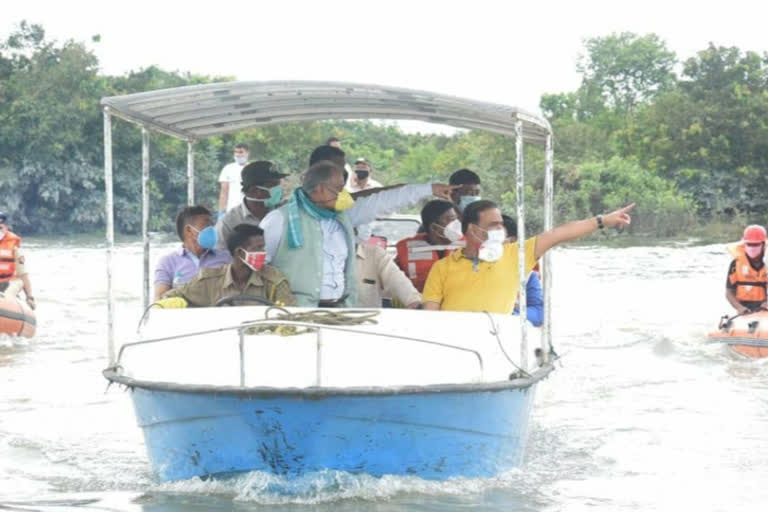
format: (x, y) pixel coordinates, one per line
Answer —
(710, 134)
(625, 69)
(47, 169)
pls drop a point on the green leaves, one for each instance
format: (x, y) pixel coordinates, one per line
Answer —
(632, 131)
(626, 70)
(705, 134)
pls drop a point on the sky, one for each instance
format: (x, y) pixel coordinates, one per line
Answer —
(505, 52)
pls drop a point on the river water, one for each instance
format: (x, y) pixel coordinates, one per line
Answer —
(641, 414)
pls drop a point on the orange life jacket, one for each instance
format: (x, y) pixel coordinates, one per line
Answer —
(417, 264)
(750, 283)
(8, 245)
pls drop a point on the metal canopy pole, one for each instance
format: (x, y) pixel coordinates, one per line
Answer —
(110, 234)
(145, 211)
(190, 174)
(521, 243)
(546, 333)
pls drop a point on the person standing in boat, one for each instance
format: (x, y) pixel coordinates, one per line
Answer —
(13, 273)
(745, 288)
(261, 185)
(311, 238)
(194, 226)
(229, 178)
(246, 275)
(483, 276)
(360, 179)
(468, 188)
(334, 142)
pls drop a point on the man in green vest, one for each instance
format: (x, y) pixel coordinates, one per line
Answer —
(311, 240)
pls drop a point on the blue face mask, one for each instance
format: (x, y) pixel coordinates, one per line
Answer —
(465, 201)
(207, 238)
(241, 159)
(275, 196)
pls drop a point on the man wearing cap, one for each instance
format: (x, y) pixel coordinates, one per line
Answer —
(13, 274)
(361, 179)
(262, 193)
(230, 195)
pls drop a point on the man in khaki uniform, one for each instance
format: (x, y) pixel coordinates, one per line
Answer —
(21, 281)
(378, 276)
(246, 275)
(13, 262)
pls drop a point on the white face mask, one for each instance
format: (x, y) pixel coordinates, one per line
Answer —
(491, 252)
(452, 231)
(493, 248)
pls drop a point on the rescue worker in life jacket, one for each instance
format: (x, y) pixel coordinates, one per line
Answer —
(13, 275)
(745, 289)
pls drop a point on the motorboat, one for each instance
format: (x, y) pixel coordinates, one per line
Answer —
(745, 334)
(16, 318)
(221, 391)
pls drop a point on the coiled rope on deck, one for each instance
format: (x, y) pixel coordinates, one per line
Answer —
(338, 317)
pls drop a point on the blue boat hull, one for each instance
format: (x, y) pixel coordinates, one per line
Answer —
(435, 434)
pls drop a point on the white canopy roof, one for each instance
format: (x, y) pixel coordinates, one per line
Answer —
(199, 111)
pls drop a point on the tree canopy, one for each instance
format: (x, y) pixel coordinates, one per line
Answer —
(686, 148)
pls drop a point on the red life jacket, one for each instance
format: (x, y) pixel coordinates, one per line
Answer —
(750, 283)
(8, 245)
(416, 265)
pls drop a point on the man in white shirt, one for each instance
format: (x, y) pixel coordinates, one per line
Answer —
(361, 179)
(231, 195)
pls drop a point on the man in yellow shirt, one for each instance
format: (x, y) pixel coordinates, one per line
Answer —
(483, 276)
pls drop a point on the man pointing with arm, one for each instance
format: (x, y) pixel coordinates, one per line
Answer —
(483, 276)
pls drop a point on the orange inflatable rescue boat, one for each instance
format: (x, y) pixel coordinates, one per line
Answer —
(16, 318)
(745, 334)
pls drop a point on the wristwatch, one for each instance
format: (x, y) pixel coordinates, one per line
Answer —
(600, 224)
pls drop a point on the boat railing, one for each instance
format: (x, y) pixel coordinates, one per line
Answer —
(317, 328)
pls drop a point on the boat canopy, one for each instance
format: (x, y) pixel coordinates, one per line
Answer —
(199, 111)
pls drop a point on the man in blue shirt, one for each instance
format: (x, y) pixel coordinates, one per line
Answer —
(534, 297)
(194, 226)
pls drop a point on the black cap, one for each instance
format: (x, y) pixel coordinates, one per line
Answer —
(258, 173)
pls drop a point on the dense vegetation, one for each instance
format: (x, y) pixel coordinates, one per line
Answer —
(688, 141)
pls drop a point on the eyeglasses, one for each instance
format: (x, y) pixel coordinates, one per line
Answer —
(333, 190)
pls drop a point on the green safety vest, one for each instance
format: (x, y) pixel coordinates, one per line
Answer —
(304, 266)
